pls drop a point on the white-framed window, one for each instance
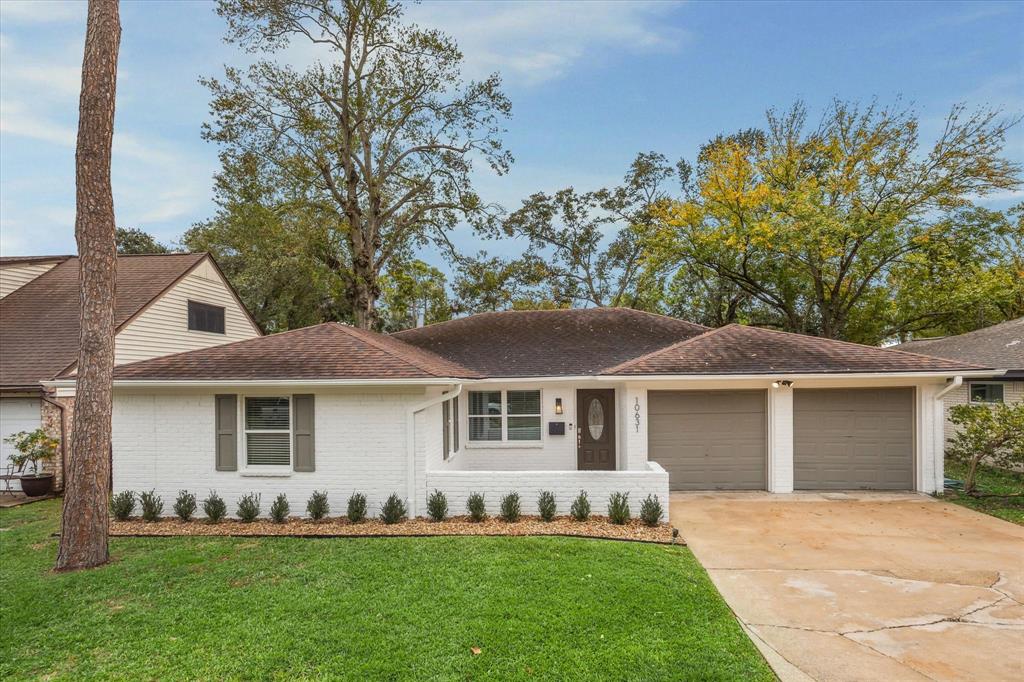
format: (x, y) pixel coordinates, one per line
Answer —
(986, 392)
(505, 415)
(267, 431)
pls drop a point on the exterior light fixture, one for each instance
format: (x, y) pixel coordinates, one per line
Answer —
(558, 406)
(782, 382)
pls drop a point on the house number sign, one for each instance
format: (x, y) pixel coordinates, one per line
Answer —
(636, 413)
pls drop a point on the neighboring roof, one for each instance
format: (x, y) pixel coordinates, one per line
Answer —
(1000, 346)
(324, 351)
(26, 260)
(529, 343)
(737, 349)
(39, 323)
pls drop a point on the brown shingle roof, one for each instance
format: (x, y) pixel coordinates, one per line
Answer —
(737, 349)
(39, 322)
(324, 351)
(550, 342)
(1000, 346)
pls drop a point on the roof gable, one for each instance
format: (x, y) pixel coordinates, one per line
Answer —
(738, 349)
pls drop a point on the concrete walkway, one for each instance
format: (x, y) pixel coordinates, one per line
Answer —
(865, 586)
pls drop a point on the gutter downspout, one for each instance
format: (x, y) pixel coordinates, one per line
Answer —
(410, 442)
(63, 435)
(957, 382)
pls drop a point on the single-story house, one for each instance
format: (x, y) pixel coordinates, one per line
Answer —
(601, 400)
(164, 304)
(1000, 346)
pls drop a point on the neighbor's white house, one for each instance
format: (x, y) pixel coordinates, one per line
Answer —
(164, 304)
(599, 400)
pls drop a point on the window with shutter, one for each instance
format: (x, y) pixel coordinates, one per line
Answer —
(268, 433)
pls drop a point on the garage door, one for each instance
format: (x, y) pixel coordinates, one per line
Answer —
(853, 439)
(16, 414)
(709, 440)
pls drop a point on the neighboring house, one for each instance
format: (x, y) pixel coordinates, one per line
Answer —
(164, 304)
(600, 400)
(1000, 346)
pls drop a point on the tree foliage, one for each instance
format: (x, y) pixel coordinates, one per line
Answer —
(382, 135)
(987, 434)
(414, 293)
(133, 241)
(813, 229)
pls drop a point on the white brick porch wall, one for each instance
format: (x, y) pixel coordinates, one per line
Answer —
(566, 485)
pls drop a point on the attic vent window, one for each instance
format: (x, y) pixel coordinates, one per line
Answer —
(203, 317)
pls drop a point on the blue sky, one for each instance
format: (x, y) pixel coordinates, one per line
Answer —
(591, 84)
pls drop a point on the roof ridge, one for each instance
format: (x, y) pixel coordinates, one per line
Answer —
(369, 336)
(623, 365)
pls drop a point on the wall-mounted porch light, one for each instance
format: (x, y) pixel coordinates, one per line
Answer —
(558, 406)
(782, 382)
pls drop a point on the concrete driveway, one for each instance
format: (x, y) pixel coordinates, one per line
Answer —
(864, 586)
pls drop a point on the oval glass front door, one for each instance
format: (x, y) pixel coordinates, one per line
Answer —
(595, 419)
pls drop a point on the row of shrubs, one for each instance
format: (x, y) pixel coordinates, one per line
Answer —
(393, 510)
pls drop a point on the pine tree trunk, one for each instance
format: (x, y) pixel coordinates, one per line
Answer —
(84, 524)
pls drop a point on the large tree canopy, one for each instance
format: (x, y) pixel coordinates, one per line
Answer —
(848, 229)
(382, 134)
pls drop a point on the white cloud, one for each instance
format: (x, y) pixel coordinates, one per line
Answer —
(536, 42)
(42, 11)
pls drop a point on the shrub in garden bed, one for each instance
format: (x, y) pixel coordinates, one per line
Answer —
(215, 508)
(651, 511)
(122, 505)
(546, 506)
(185, 505)
(437, 506)
(580, 509)
(279, 509)
(152, 506)
(510, 508)
(317, 506)
(476, 508)
(618, 508)
(249, 507)
(356, 511)
(393, 510)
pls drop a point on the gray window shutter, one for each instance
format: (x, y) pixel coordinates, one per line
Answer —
(227, 441)
(303, 446)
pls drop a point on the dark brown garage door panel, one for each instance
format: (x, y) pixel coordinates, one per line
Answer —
(709, 440)
(853, 439)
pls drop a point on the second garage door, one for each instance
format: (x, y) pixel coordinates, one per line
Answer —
(853, 439)
(709, 440)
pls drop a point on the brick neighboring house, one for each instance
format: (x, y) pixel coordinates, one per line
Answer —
(165, 304)
(1000, 346)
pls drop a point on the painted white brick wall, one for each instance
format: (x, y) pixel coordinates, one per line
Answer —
(931, 443)
(566, 485)
(780, 446)
(634, 418)
(166, 442)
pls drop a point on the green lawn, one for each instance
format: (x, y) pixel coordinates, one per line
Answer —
(285, 608)
(991, 481)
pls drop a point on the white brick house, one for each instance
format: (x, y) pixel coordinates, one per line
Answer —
(600, 400)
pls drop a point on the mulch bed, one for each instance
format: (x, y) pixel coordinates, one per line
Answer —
(597, 527)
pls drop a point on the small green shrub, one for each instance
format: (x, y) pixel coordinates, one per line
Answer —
(185, 505)
(437, 506)
(122, 505)
(510, 508)
(356, 511)
(580, 509)
(249, 507)
(393, 510)
(152, 506)
(476, 508)
(215, 507)
(651, 511)
(618, 508)
(546, 505)
(279, 509)
(317, 507)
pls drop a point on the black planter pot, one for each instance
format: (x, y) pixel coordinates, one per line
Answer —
(37, 486)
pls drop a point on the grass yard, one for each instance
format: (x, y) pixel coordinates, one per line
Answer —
(397, 608)
(991, 481)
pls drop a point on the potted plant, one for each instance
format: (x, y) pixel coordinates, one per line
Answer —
(33, 447)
